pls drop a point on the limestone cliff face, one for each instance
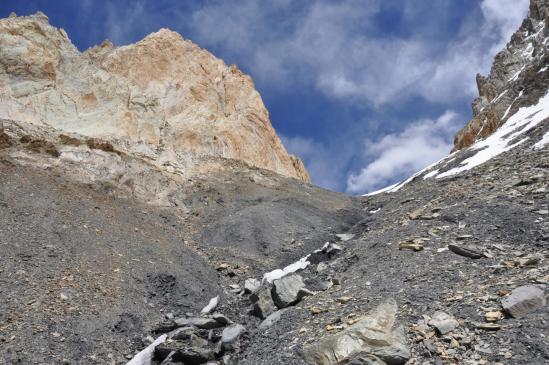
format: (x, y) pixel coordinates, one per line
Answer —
(163, 98)
(518, 77)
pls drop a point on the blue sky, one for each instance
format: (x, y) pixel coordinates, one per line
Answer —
(365, 92)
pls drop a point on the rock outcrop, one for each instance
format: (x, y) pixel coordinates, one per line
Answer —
(163, 99)
(518, 77)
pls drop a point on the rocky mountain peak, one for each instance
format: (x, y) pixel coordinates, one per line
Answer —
(163, 98)
(518, 77)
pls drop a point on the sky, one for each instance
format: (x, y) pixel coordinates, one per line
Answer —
(366, 92)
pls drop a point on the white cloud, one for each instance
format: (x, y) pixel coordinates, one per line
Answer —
(399, 155)
(335, 47)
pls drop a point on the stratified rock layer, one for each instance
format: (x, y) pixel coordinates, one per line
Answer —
(164, 97)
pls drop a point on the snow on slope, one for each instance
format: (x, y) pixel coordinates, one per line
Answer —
(502, 140)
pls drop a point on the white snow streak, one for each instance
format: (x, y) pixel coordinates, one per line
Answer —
(144, 357)
(515, 76)
(280, 273)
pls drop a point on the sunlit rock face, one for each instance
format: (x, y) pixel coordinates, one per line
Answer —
(518, 78)
(163, 98)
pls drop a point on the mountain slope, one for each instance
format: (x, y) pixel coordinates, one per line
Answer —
(106, 250)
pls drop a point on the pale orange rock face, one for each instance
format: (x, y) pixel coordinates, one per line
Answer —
(163, 94)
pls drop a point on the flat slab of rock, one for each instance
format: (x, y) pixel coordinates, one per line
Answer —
(443, 322)
(466, 251)
(288, 290)
(374, 334)
(272, 319)
(523, 300)
(199, 322)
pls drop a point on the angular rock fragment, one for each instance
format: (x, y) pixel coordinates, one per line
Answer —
(181, 351)
(374, 334)
(251, 285)
(288, 290)
(221, 318)
(230, 338)
(443, 322)
(199, 322)
(366, 359)
(263, 304)
(523, 300)
(272, 319)
(466, 251)
(410, 246)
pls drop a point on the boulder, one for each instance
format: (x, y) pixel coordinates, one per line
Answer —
(251, 285)
(263, 304)
(523, 300)
(366, 359)
(288, 290)
(374, 334)
(230, 338)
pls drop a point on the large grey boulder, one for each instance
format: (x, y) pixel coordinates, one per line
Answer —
(288, 290)
(374, 334)
(523, 300)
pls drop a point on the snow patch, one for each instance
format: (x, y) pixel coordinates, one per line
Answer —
(345, 236)
(430, 174)
(212, 304)
(510, 105)
(522, 121)
(145, 356)
(280, 273)
(385, 189)
(542, 142)
(395, 187)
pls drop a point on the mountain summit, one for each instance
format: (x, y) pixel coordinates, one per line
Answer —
(163, 98)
